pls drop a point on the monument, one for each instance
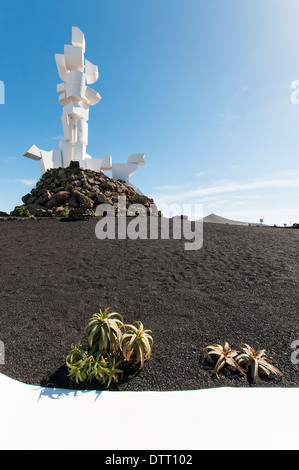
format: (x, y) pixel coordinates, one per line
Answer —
(76, 97)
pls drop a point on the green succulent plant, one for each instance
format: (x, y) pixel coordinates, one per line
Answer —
(103, 330)
(139, 199)
(65, 212)
(79, 364)
(112, 370)
(137, 342)
(85, 366)
(21, 211)
(225, 356)
(256, 360)
(101, 353)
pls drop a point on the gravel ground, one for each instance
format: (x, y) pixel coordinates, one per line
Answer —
(241, 286)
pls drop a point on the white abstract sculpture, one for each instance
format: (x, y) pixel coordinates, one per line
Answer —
(76, 97)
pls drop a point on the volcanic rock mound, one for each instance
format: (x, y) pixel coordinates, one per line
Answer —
(76, 193)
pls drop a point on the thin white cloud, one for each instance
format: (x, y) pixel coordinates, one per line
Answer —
(169, 187)
(230, 188)
(227, 116)
(26, 182)
(244, 89)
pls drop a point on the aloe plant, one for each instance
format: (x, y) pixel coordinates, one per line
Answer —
(225, 355)
(79, 364)
(256, 360)
(104, 348)
(112, 369)
(85, 366)
(136, 341)
(103, 330)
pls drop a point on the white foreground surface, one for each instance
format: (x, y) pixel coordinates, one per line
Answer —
(225, 418)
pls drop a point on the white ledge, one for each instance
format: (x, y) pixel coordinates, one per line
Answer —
(34, 417)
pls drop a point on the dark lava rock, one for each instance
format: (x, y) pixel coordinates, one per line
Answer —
(76, 193)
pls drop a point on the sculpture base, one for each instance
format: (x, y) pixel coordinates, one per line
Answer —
(62, 192)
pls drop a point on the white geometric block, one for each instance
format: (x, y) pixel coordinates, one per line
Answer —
(49, 159)
(99, 164)
(137, 158)
(67, 152)
(74, 58)
(34, 153)
(94, 164)
(79, 151)
(61, 88)
(76, 112)
(82, 132)
(78, 38)
(107, 163)
(67, 129)
(63, 100)
(91, 72)
(75, 85)
(92, 96)
(123, 171)
(60, 62)
(83, 164)
(83, 104)
(42, 166)
(56, 158)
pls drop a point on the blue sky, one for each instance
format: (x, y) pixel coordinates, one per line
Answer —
(203, 88)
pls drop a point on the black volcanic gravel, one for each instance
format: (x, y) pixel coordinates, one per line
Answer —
(241, 286)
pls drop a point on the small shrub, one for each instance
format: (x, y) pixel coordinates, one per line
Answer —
(136, 342)
(225, 355)
(104, 349)
(103, 330)
(255, 361)
(84, 366)
(139, 199)
(63, 213)
(244, 355)
(21, 211)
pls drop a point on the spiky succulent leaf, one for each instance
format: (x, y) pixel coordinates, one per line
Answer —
(225, 356)
(103, 328)
(138, 342)
(256, 360)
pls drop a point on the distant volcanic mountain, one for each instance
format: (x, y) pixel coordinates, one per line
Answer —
(216, 219)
